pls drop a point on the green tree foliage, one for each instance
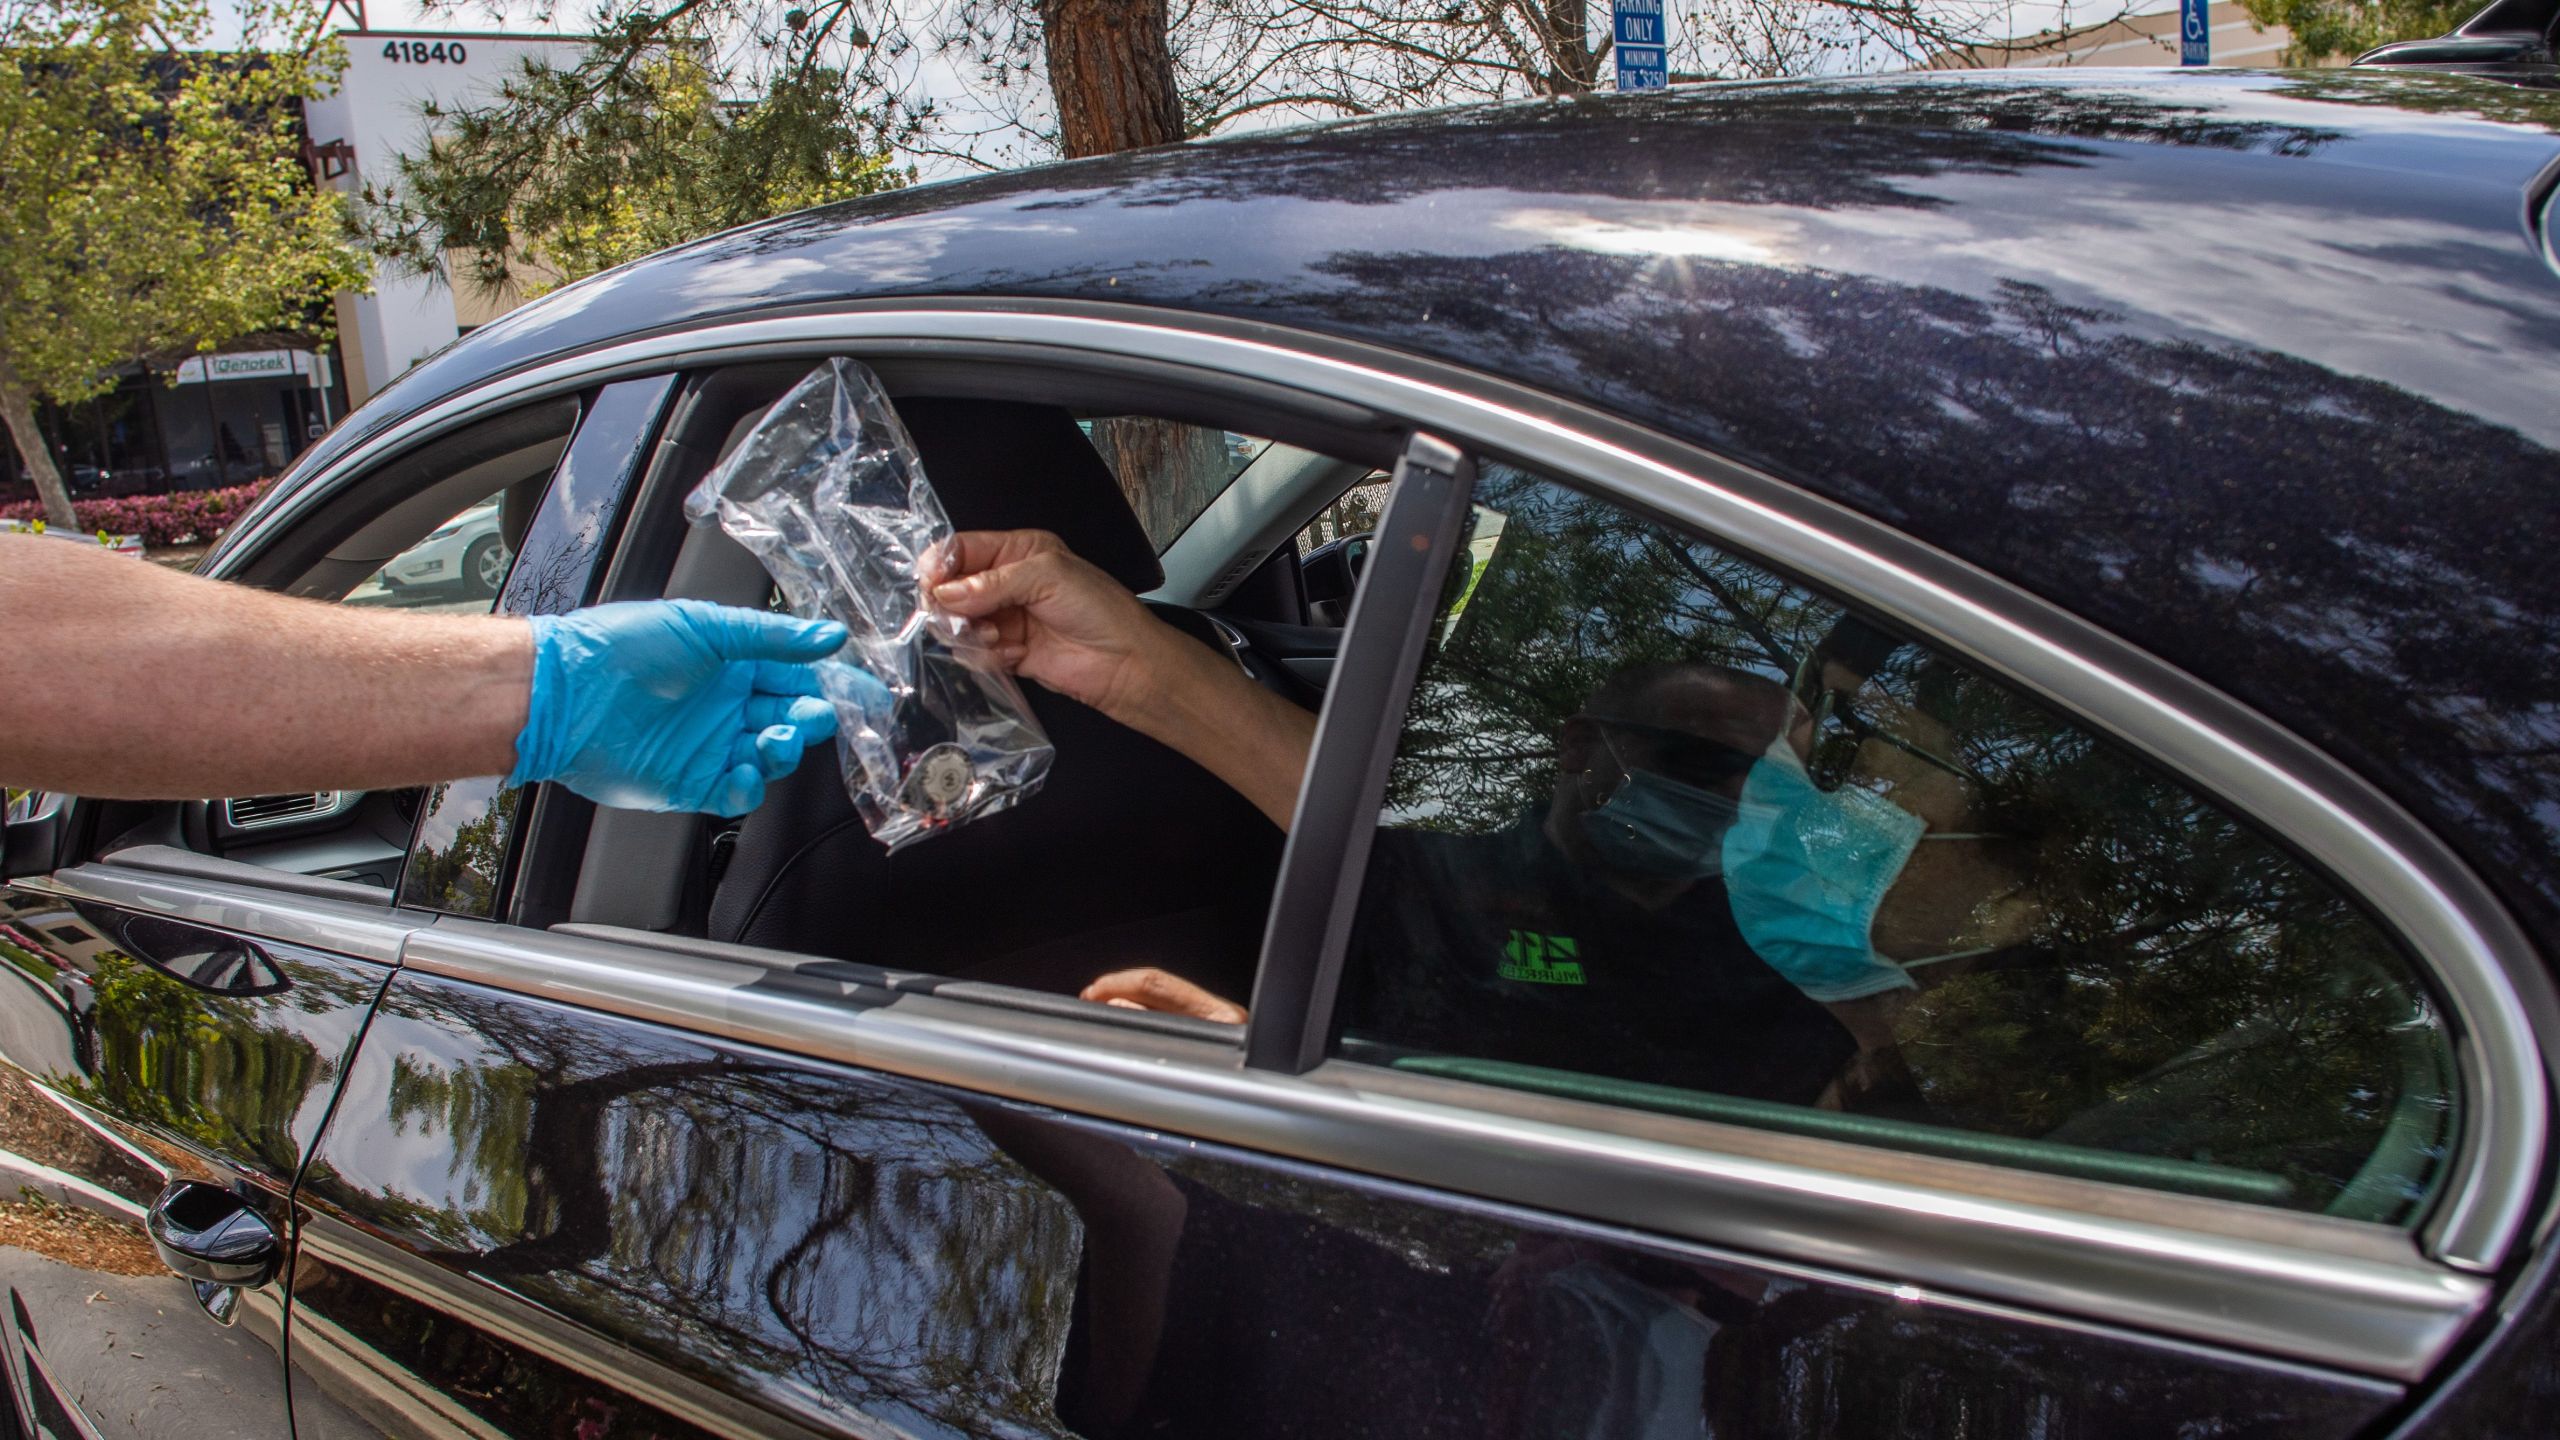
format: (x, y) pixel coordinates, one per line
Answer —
(463, 847)
(2343, 29)
(152, 197)
(2183, 990)
(869, 1242)
(573, 169)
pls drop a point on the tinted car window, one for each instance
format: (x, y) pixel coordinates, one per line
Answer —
(1667, 831)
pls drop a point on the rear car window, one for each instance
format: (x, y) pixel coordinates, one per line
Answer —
(1669, 832)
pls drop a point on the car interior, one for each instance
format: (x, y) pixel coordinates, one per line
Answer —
(1129, 855)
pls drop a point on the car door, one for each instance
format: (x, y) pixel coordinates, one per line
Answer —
(599, 1170)
(173, 1044)
(185, 1001)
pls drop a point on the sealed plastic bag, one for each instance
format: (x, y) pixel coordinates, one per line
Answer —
(828, 492)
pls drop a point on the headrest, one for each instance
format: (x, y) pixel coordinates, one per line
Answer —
(1005, 465)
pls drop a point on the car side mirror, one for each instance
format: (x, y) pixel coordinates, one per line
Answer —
(31, 838)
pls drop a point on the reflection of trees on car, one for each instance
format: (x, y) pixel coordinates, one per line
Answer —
(860, 1238)
(460, 872)
(2059, 410)
(235, 1076)
(2181, 974)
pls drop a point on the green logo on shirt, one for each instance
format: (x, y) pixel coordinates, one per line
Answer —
(1536, 959)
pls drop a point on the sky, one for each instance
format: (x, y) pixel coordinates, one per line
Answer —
(938, 79)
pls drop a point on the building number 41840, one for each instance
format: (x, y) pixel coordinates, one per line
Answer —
(419, 52)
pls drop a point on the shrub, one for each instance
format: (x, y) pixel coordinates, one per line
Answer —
(172, 519)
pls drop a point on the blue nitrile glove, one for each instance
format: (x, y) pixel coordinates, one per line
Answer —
(673, 704)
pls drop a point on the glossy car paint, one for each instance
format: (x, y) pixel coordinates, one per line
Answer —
(861, 1254)
(2255, 370)
(125, 1073)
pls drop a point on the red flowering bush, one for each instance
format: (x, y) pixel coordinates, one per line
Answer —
(172, 519)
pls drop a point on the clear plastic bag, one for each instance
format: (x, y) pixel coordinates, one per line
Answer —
(828, 492)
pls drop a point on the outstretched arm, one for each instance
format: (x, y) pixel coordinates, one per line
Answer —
(131, 681)
(1062, 622)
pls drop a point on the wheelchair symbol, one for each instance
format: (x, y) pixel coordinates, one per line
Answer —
(2195, 22)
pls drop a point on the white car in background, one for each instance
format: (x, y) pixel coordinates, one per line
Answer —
(465, 552)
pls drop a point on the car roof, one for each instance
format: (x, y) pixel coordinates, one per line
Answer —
(2256, 369)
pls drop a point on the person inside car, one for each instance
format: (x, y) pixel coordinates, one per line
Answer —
(1688, 903)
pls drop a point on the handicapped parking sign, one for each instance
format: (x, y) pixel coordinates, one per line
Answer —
(1640, 41)
(2195, 33)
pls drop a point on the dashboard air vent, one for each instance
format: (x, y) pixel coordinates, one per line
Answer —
(257, 810)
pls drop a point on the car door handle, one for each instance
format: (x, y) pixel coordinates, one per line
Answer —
(212, 1236)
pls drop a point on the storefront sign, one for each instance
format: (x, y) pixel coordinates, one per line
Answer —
(246, 365)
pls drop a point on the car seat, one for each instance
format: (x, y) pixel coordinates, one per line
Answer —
(1128, 855)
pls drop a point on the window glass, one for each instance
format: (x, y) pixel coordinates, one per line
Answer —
(1354, 512)
(1669, 832)
(1169, 470)
(457, 569)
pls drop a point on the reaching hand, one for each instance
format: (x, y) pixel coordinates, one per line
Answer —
(1052, 616)
(1162, 991)
(673, 704)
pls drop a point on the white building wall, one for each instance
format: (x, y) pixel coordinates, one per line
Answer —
(378, 109)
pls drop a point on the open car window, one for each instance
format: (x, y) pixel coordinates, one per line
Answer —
(1128, 856)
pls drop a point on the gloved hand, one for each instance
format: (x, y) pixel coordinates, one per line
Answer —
(673, 704)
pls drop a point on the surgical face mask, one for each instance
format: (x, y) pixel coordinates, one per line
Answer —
(1806, 870)
(1657, 827)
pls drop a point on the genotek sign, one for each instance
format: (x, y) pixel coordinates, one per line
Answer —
(247, 365)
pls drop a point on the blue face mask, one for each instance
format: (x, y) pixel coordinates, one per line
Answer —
(1806, 870)
(1657, 827)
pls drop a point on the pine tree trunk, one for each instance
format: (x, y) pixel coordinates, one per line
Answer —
(18, 408)
(1111, 69)
(1168, 470)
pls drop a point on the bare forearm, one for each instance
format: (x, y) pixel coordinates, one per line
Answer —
(131, 681)
(1204, 706)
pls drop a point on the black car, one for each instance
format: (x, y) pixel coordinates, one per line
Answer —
(2137, 491)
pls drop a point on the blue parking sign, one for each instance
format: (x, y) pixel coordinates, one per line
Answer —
(1640, 22)
(2195, 32)
(1640, 37)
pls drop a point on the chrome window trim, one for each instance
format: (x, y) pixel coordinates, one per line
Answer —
(341, 927)
(2384, 1312)
(2471, 947)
